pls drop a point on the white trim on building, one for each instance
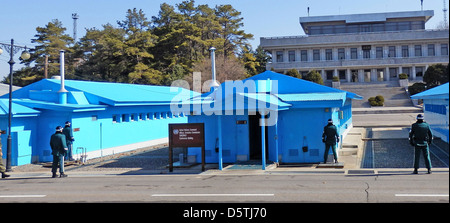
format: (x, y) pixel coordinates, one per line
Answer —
(365, 55)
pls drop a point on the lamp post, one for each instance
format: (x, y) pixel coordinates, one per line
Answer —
(25, 56)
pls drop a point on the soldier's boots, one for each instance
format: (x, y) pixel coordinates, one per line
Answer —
(416, 172)
(62, 175)
(4, 175)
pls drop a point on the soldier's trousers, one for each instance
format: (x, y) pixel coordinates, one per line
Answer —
(2, 167)
(327, 150)
(58, 161)
(426, 154)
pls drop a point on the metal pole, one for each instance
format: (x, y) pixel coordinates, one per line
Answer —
(9, 140)
(220, 142)
(263, 140)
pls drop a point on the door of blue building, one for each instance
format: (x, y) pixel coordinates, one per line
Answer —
(254, 132)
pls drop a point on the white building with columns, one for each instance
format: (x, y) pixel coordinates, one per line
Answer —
(361, 47)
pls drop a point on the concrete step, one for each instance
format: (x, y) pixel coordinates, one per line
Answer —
(387, 110)
(348, 151)
(394, 95)
(352, 142)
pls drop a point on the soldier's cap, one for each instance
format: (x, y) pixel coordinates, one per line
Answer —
(59, 128)
(67, 123)
(330, 120)
(420, 117)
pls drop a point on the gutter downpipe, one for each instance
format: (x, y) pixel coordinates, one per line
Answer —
(62, 92)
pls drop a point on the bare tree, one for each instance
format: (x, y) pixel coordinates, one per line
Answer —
(229, 68)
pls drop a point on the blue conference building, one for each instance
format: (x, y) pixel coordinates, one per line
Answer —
(268, 117)
(106, 118)
(435, 106)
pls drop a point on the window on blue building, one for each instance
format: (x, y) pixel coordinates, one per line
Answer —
(115, 119)
(439, 109)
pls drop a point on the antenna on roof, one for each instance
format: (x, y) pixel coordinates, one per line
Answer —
(308, 10)
(445, 14)
(75, 16)
(421, 4)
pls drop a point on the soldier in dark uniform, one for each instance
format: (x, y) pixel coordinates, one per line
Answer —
(420, 137)
(2, 167)
(330, 137)
(59, 150)
(69, 139)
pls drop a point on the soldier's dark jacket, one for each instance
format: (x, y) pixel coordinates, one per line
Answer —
(330, 135)
(58, 143)
(420, 134)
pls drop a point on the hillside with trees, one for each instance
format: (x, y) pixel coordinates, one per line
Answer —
(152, 50)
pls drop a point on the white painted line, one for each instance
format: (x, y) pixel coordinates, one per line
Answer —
(421, 195)
(213, 195)
(22, 196)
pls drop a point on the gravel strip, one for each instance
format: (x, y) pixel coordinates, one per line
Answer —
(149, 158)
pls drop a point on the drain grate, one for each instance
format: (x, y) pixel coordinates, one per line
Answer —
(361, 172)
(368, 155)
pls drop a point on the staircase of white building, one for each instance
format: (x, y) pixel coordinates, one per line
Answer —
(394, 95)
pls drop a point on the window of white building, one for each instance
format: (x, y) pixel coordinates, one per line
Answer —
(329, 54)
(418, 50)
(391, 51)
(354, 53)
(316, 55)
(341, 54)
(304, 55)
(431, 51)
(405, 51)
(291, 55)
(280, 56)
(444, 49)
(379, 52)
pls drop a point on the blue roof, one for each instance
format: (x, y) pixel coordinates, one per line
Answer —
(279, 90)
(116, 94)
(292, 85)
(338, 96)
(17, 109)
(124, 93)
(439, 92)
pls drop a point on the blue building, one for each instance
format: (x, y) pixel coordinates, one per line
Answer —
(106, 118)
(294, 114)
(435, 105)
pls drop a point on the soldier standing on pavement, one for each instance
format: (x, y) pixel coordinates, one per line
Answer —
(330, 137)
(69, 139)
(59, 150)
(420, 137)
(2, 167)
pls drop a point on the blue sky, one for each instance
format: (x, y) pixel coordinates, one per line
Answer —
(262, 18)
